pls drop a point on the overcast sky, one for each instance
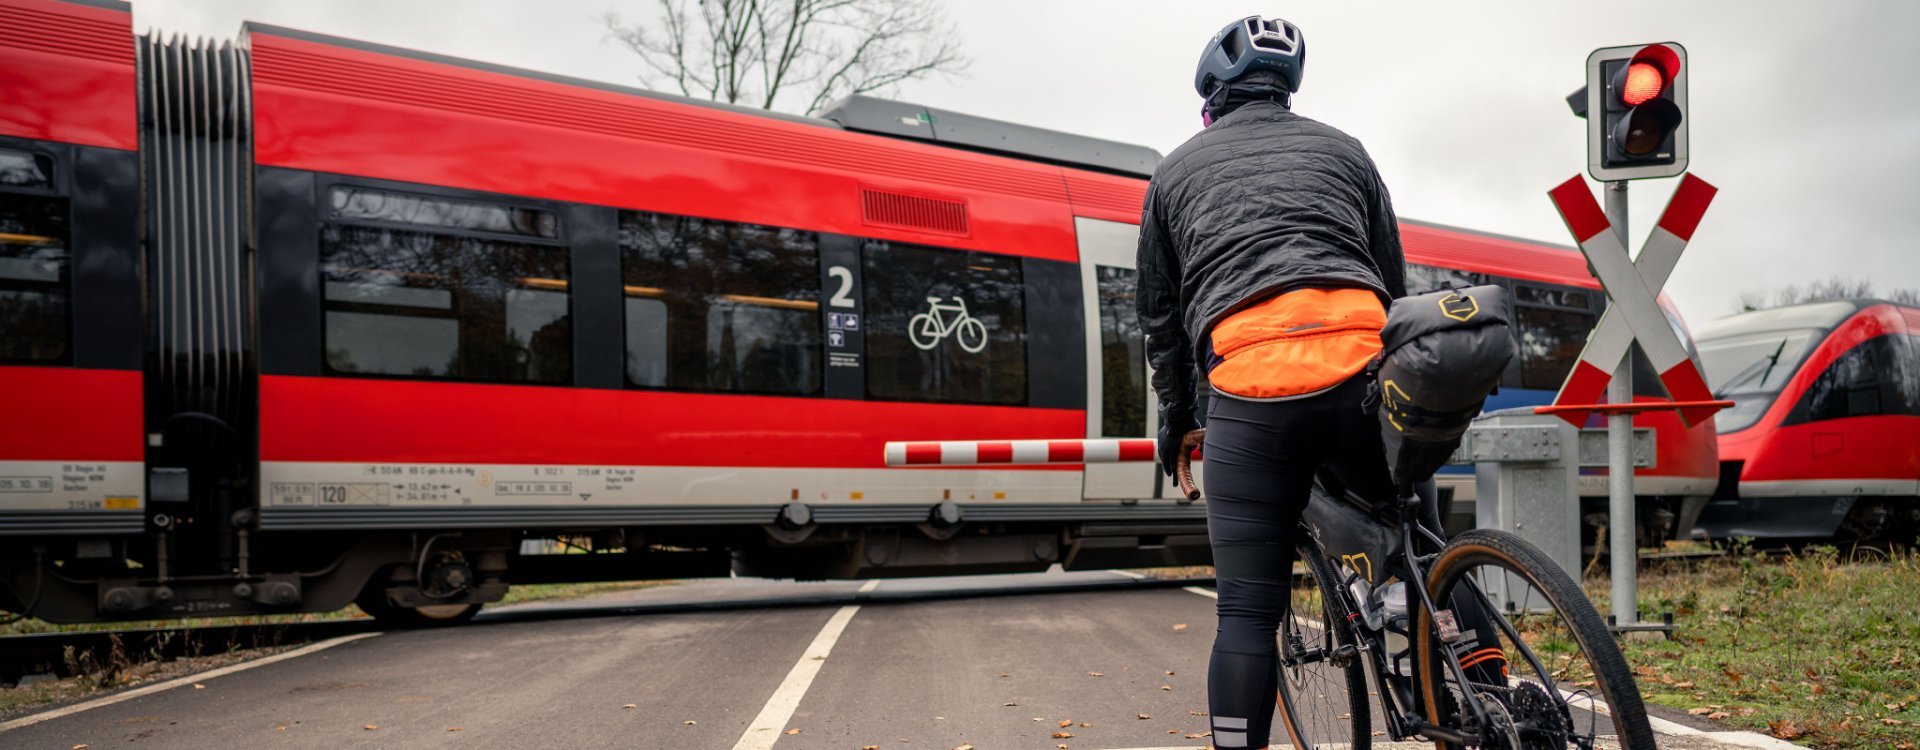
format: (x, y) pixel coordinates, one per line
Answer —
(1802, 113)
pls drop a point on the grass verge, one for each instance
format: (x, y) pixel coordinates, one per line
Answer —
(1819, 647)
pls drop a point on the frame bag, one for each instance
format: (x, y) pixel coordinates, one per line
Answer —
(1442, 354)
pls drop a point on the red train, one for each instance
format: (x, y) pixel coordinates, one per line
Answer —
(304, 321)
(1824, 438)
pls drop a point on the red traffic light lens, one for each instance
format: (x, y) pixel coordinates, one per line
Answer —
(1644, 81)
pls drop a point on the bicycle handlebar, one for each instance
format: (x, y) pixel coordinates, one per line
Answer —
(1183, 467)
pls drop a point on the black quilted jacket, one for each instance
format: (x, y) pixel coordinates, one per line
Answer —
(1262, 202)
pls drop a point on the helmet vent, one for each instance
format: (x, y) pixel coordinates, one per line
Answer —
(885, 208)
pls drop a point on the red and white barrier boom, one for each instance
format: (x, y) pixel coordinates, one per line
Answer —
(976, 452)
(1635, 313)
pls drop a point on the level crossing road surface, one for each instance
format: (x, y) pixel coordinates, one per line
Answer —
(1120, 668)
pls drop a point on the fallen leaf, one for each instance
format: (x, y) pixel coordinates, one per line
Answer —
(82, 746)
(1697, 711)
(1061, 746)
(793, 731)
(1173, 731)
(1166, 687)
(1197, 735)
(198, 686)
(1201, 713)
(691, 723)
(1717, 715)
(1732, 675)
(1819, 688)
(961, 746)
(1169, 673)
(1086, 725)
(1893, 722)
(1683, 685)
(1143, 716)
(1039, 718)
(869, 747)
(1062, 735)
(1009, 703)
(1179, 626)
(1003, 674)
(371, 727)
(630, 705)
(1064, 723)
(1096, 674)
(456, 729)
(1785, 730)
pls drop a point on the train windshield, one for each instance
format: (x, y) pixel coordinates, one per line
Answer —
(1750, 369)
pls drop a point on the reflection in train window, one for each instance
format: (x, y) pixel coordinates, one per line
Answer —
(35, 278)
(428, 305)
(719, 306)
(1123, 358)
(1553, 326)
(362, 204)
(944, 325)
(1422, 279)
(1869, 380)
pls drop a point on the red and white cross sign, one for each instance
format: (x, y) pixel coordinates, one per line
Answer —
(1633, 286)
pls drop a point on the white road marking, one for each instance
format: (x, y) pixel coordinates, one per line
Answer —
(871, 584)
(1664, 726)
(1127, 573)
(25, 721)
(766, 728)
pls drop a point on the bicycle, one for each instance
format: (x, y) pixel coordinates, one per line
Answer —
(1330, 664)
(927, 329)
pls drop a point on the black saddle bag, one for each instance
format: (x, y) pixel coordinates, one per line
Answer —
(1443, 353)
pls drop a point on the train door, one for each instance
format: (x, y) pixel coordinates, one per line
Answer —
(1119, 402)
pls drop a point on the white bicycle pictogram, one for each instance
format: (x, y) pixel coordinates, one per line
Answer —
(928, 328)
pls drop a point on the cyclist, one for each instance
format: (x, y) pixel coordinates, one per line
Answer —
(1268, 252)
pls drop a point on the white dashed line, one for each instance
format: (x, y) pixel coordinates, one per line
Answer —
(871, 584)
(766, 728)
(25, 721)
(1127, 573)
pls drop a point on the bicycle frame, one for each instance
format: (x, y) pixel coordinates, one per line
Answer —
(1404, 712)
(948, 324)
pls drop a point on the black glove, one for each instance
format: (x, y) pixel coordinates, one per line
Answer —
(1172, 429)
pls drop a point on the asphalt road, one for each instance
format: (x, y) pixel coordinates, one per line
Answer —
(998, 672)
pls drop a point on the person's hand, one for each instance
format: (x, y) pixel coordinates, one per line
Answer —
(1168, 447)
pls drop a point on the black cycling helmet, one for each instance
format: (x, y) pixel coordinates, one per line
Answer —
(1253, 44)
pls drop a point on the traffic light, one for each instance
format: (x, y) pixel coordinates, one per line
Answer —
(1636, 110)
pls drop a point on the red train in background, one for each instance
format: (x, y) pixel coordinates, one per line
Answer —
(300, 321)
(1824, 439)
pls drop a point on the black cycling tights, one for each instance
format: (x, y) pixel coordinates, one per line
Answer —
(1261, 458)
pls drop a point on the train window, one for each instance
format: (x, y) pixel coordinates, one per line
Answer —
(360, 204)
(944, 325)
(1868, 380)
(409, 303)
(25, 170)
(1422, 279)
(35, 277)
(1123, 355)
(719, 306)
(1554, 323)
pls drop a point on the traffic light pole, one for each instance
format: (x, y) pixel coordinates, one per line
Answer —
(1621, 531)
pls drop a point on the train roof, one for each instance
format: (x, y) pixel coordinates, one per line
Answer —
(866, 114)
(861, 114)
(1821, 315)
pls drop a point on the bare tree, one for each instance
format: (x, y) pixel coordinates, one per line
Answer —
(798, 55)
(1831, 288)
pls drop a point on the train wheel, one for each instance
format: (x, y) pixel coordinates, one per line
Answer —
(376, 604)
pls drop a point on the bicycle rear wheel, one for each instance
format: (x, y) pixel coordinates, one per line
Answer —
(1323, 685)
(1566, 681)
